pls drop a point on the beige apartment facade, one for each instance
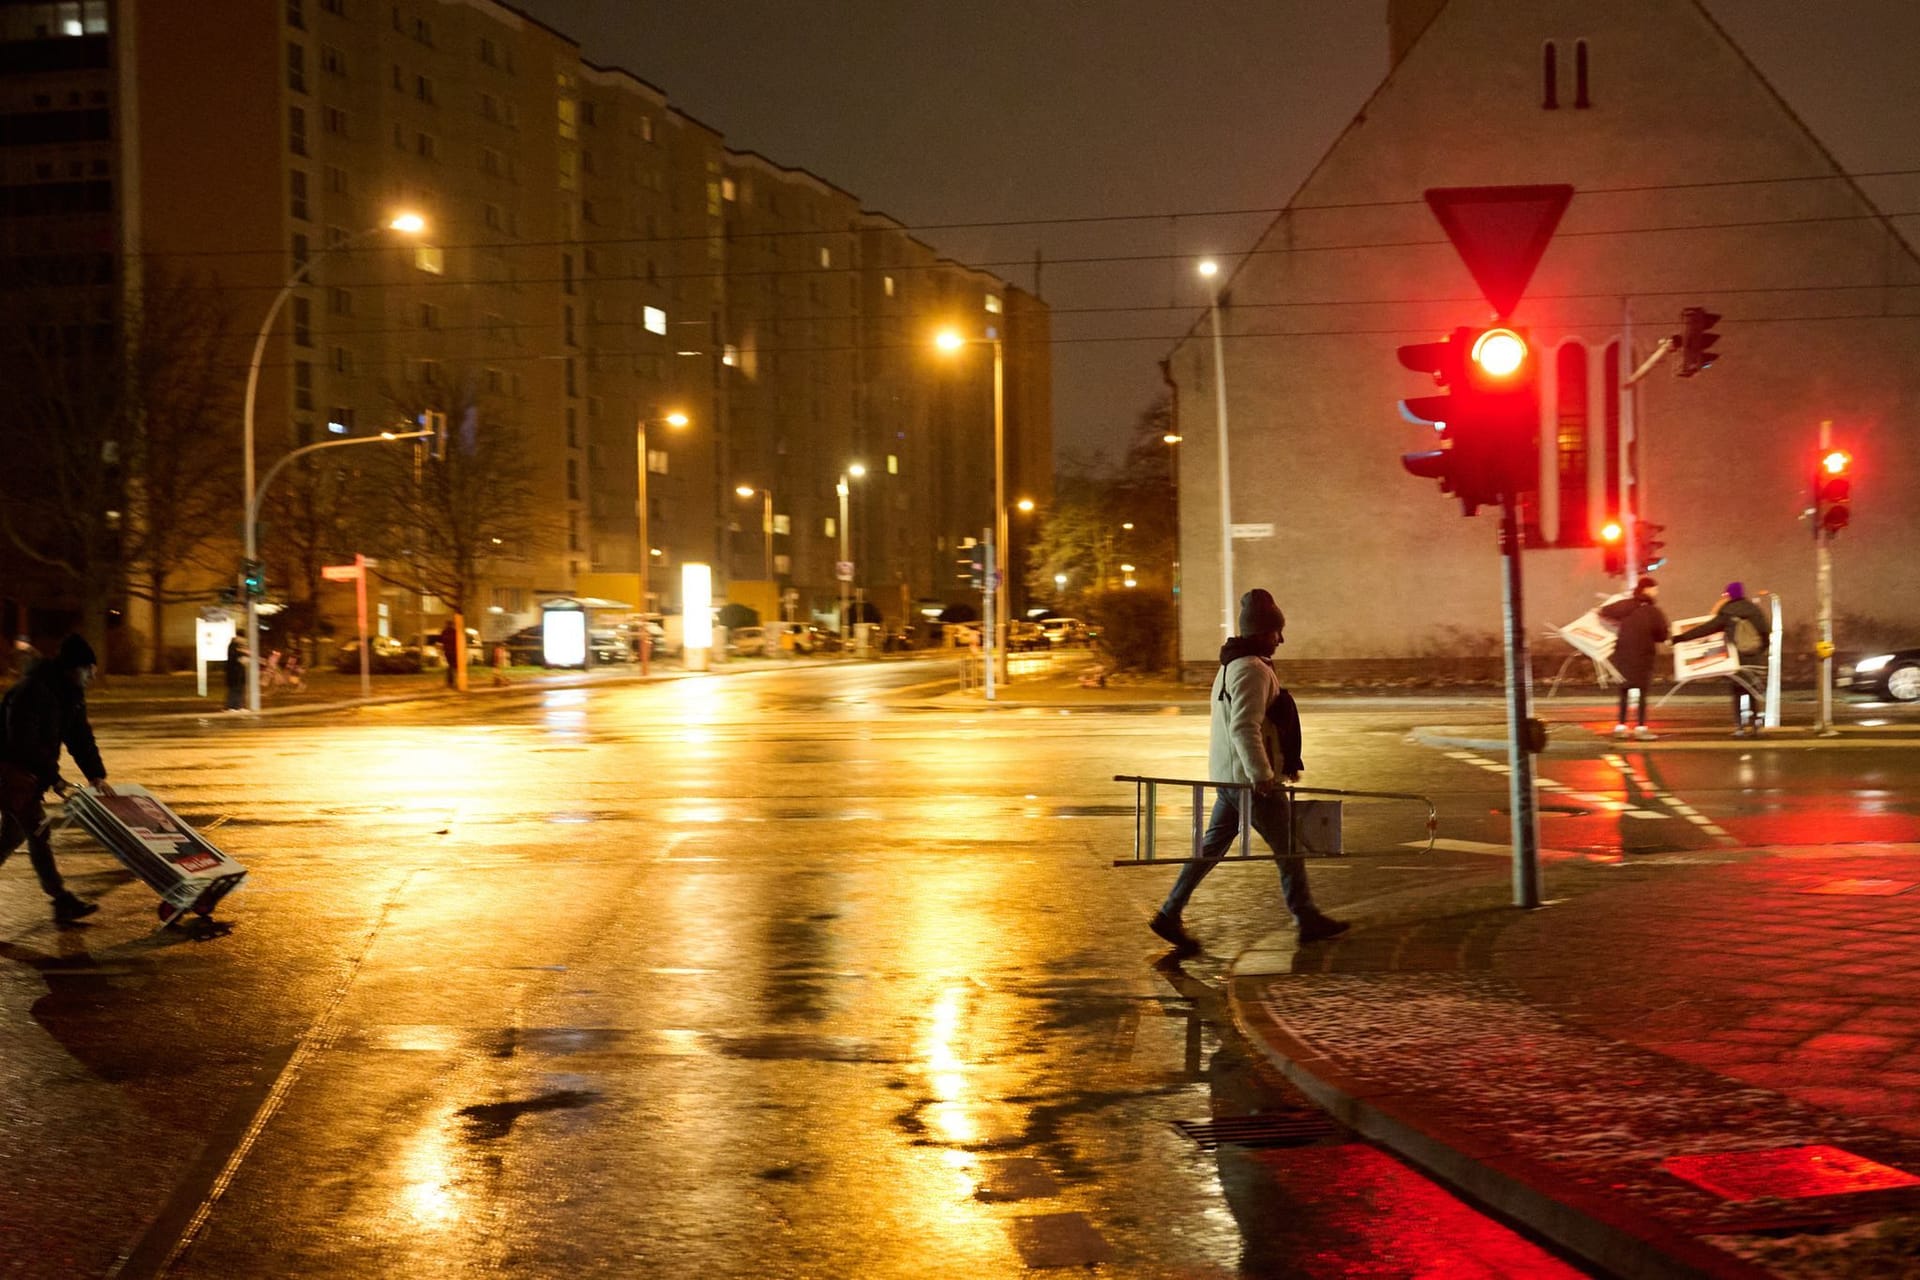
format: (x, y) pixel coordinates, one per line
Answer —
(595, 266)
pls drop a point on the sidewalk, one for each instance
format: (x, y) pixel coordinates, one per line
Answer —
(1685, 1065)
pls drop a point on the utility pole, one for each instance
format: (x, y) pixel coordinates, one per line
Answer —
(1823, 595)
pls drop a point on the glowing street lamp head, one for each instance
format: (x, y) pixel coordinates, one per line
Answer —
(1170, 438)
(949, 340)
(1500, 352)
(857, 470)
(1025, 504)
(744, 490)
(1209, 268)
(410, 223)
(1059, 579)
(677, 419)
(1127, 525)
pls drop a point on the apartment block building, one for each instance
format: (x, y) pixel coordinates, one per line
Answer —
(596, 267)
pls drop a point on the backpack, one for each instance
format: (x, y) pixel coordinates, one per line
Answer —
(1746, 637)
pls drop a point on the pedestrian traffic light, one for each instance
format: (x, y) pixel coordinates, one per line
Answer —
(1487, 424)
(1613, 549)
(253, 578)
(1653, 550)
(1696, 341)
(1833, 492)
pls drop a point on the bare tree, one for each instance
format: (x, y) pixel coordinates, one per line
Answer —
(443, 511)
(182, 437)
(64, 434)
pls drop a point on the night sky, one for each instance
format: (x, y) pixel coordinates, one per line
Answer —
(939, 113)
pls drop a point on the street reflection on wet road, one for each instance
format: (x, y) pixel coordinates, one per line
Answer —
(754, 976)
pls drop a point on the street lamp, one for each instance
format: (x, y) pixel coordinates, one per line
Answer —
(951, 341)
(1172, 440)
(406, 224)
(844, 570)
(766, 519)
(675, 420)
(1208, 270)
(1025, 505)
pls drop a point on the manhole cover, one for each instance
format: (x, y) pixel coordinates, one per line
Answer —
(1786, 1173)
(1274, 1129)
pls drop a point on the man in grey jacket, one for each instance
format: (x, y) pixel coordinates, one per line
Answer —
(1255, 739)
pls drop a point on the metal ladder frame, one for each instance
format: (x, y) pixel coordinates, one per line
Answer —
(1146, 795)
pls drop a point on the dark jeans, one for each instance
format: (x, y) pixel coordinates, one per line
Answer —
(1622, 717)
(22, 818)
(1272, 814)
(1741, 716)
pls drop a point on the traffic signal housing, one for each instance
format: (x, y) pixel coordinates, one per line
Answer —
(1486, 424)
(1833, 492)
(1653, 548)
(253, 578)
(1696, 341)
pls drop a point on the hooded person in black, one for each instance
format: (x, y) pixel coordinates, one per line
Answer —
(1643, 628)
(41, 713)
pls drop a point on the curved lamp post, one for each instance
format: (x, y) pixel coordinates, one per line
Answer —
(951, 340)
(405, 223)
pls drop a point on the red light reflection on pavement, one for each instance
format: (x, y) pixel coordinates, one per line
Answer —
(1786, 1173)
(1826, 826)
(1397, 1223)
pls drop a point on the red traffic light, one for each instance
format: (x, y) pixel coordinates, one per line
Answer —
(1499, 353)
(1836, 462)
(1611, 531)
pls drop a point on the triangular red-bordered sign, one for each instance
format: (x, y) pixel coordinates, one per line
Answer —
(1501, 233)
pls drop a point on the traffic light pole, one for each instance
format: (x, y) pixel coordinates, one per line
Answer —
(1823, 596)
(1519, 663)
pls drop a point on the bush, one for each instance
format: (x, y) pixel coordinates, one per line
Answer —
(735, 616)
(1136, 628)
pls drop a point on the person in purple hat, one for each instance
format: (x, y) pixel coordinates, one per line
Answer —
(1741, 621)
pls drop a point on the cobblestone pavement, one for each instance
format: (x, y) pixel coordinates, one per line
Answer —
(1689, 1064)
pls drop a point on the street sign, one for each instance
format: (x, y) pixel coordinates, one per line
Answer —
(1501, 233)
(1253, 531)
(340, 572)
(843, 570)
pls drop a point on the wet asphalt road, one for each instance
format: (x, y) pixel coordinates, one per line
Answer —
(778, 974)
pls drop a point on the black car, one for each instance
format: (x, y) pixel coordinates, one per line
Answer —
(1892, 676)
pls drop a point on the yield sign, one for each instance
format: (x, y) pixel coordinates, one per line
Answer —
(1501, 233)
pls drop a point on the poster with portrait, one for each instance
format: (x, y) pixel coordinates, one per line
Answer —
(1699, 659)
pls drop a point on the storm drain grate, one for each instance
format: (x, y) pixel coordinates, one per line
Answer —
(1273, 1129)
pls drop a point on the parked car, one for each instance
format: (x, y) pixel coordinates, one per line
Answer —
(525, 647)
(1023, 637)
(1890, 677)
(1064, 631)
(432, 657)
(807, 638)
(747, 642)
(609, 645)
(960, 635)
(389, 657)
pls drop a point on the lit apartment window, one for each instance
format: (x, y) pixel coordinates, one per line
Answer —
(646, 128)
(302, 385)
(297, 130)
(886, 285)
(730, 355)
(828, 527)
(826, 256)
(993, 303)
(296, 67)
(654, 320)
(430, 257)
(893, 464)
(567, 112)
(728, 191)
(297, 190)
(657, 462)
(334, 121)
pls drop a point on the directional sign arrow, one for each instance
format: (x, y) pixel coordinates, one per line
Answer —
(1501, 233)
